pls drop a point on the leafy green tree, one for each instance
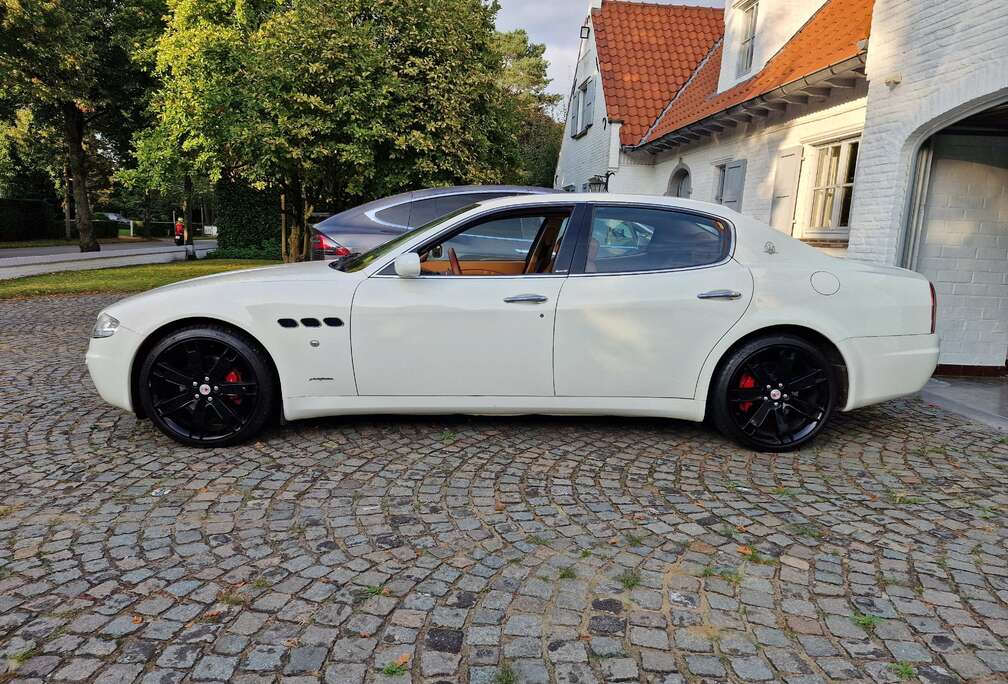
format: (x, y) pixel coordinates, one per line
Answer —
(331, 101)
(523, 76)
(73, 58)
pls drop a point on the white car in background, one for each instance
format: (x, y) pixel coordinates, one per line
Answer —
(621, 305)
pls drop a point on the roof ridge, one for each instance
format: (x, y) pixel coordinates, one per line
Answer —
(700, 65)
(671, 5)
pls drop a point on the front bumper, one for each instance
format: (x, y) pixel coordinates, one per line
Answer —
(883, 368)
(109, 361)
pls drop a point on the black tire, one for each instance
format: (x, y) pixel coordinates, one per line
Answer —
(190, 369)
(773, 393)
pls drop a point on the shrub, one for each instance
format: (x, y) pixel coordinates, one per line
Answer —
(28, 220)
(247, 219)
(264, 250)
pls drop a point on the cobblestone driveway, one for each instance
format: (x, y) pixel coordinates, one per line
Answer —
(486, 550)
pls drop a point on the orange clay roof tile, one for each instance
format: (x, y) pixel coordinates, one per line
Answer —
(646, 53)
(831, 36)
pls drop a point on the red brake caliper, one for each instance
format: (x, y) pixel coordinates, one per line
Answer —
(232, 377)
(746, 382)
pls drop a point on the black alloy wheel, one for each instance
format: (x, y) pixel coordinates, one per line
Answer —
(774, 394)
(207, 386)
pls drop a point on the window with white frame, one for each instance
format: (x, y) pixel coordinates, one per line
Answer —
(833, 185)
(719, 180)
(747, 10)
(583, 108)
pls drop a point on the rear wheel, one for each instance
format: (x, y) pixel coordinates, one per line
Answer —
(774, 393)
(207, 386)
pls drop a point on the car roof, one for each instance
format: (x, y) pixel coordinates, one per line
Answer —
(349, 215)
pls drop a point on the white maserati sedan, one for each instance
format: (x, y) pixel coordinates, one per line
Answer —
(550, 304)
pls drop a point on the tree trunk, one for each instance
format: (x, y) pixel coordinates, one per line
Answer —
(145, 231)
(283, 226)
(67, 202)
(73, 121)
(187, 214)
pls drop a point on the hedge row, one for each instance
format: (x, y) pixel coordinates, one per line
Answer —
(22, 220)
(248, 220)
(27, 220)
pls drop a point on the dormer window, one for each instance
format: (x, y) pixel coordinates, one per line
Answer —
(747, 24)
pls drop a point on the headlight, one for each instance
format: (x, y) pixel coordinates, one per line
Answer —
(105, 326)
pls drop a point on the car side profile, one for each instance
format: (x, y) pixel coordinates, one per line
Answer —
(361, 228)
(603, 304)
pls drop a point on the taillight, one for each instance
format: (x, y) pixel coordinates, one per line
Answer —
(327, 246)
(934, 309)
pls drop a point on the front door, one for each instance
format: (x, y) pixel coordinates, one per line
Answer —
(478, 321)
(653, 291)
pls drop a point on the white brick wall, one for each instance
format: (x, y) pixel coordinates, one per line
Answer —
(759, 143)
(964, 248)
(776, 22)
(586, 156)
(951, 57)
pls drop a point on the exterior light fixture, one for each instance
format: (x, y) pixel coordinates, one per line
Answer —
(585, 32)
(599, 183)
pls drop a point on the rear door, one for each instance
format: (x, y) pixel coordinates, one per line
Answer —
(652, 290)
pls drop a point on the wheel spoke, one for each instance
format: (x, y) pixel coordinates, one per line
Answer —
(742, 395)
(227, 416)
(787, 365)
(762, 379)
(782, 429)
(221, 363)
(758, 418)
(239, 389)
(169, 374)
(172, 405)
(807, 410)
(808, 381)
(194, 359)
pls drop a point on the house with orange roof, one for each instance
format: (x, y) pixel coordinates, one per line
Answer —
(875, 130)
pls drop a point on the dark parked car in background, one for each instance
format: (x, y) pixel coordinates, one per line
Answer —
(365, 227)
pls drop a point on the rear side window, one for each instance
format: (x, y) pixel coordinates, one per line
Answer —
(397, 215)
(632, 239)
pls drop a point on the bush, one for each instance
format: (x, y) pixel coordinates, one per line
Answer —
(247, 219)
(264, 250)
(28, 220)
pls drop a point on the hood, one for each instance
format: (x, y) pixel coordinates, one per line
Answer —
(306, 271)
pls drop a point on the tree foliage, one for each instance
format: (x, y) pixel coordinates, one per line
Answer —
(332, 102)
(71, 62)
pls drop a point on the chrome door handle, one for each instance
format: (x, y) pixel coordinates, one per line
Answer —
(720, 294)
(525, 299)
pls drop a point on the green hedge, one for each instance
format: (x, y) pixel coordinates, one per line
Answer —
(27, 220)
(248, 220)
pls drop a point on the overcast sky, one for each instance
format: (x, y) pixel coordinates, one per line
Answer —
(557, 24)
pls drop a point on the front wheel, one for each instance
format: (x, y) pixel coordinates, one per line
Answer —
(774, 393)
(207, 386)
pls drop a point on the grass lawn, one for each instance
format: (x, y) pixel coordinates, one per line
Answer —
(123, 279)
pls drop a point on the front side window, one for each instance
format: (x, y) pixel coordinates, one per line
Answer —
(632, 239)
(833, 190)
(747, 45)
(514, 244)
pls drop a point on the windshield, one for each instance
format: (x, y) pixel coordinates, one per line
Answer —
(360, 261)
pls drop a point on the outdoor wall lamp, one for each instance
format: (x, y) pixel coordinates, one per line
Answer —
(585, 31)
(600, 183)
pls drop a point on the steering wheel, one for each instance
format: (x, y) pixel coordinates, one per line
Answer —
(456, 269)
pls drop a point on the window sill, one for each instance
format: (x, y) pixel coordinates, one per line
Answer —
(582, 133)
(826, 243)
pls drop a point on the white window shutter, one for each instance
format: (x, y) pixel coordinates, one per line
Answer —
(734, 184)
(785, 189)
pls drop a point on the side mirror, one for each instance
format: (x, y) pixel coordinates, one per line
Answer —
(408, 265)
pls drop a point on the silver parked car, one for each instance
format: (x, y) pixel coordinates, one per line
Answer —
(363, 228)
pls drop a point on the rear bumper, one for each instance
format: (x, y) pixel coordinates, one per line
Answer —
(882, 368)
(109, 361)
